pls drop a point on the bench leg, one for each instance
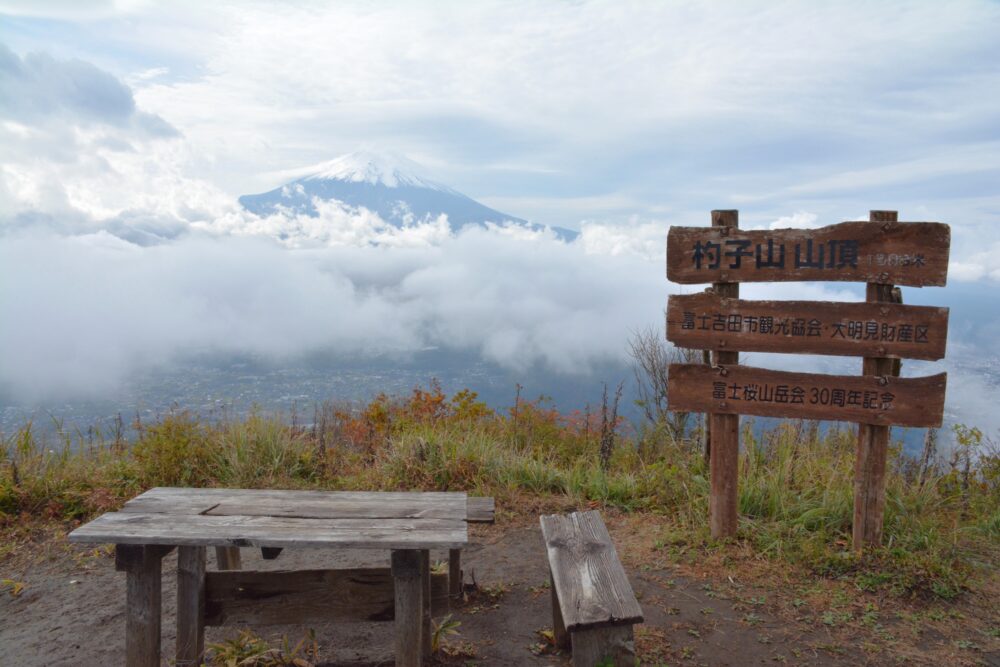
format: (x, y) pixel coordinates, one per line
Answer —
(425, 581)
(190, 606)
(558, 627)
(454, 576)
(228, 558)
(610, 645)
(142, 566)
(409, 603)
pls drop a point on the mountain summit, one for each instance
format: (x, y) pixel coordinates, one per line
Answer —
(390, 185)
(390, 170)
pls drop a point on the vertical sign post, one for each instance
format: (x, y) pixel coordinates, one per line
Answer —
(873, 439)
(724, 455)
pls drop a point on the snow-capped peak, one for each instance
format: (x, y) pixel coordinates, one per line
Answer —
(391, 170)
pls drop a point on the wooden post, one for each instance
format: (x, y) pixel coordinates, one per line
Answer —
(873, 440)
(190, 606)
(454, 577)
(706, 431)
(425, 582)
(608, 645)
(559, 633)
(228, 558)
(724, 456)
(409, 593)
(142, 566)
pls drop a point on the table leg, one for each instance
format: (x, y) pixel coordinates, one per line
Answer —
(409, 594)
(190, 606)
(142, 566)
(454, 577)
(228, 558)
(562, 639)
(425, 582)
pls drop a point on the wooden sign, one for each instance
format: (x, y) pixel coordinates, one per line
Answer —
(882, 253)
(768, 393)
(708, 321)
(899, 253)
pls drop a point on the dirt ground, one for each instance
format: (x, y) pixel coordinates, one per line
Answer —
(71, 610)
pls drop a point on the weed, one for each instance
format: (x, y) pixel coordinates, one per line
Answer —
(447, 627)
(249, 650)
(942, 527)
(14, 587)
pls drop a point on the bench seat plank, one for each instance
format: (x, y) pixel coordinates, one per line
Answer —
(267, 531)
(480, 509)
(589, 580)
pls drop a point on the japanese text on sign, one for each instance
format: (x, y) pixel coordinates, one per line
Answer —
(834, 254)
(784, 393)
(769, 325)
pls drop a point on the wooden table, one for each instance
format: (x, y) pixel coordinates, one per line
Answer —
(154, 523)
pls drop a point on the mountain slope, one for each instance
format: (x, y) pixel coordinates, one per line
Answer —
(390, 186)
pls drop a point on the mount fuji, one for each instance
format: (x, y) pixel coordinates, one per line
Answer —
(389, 185)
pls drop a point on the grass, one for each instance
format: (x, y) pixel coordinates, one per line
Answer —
(942, 526)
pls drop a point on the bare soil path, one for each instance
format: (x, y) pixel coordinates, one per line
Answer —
(71, 610)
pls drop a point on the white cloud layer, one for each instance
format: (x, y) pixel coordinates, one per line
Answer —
(85, 312)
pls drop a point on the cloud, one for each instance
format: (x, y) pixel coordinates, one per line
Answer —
(799, 219)
(643, 239)
(87, 312)
(83, 315)
(69, 9)
(620, 111)
(78, 155)
(620, 97)
(37, 88)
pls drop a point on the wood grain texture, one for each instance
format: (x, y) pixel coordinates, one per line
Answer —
(455, 576)
(724, 473)
(143, 591)
(608, 646)
(710, 321)
(300, 504)
(767, 393)
(902, 253)
(480, 509)
(409, 607)
(559, 635)
(279, 597)
(425, 581)
(872, 447)
(589, 580)
(724, 454)
(265, 531)
(228, 558)
(190, 606)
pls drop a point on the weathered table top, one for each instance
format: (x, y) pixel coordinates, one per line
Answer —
(278, 518)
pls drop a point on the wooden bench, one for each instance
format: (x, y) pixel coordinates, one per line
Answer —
(593, 606)
(192, 520)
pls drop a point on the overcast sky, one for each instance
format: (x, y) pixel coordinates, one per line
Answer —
(125, 125)
(561, 112)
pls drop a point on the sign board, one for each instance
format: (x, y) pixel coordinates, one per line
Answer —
(710, 322)
(767, 393)
(882, 253)
(908, 253)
